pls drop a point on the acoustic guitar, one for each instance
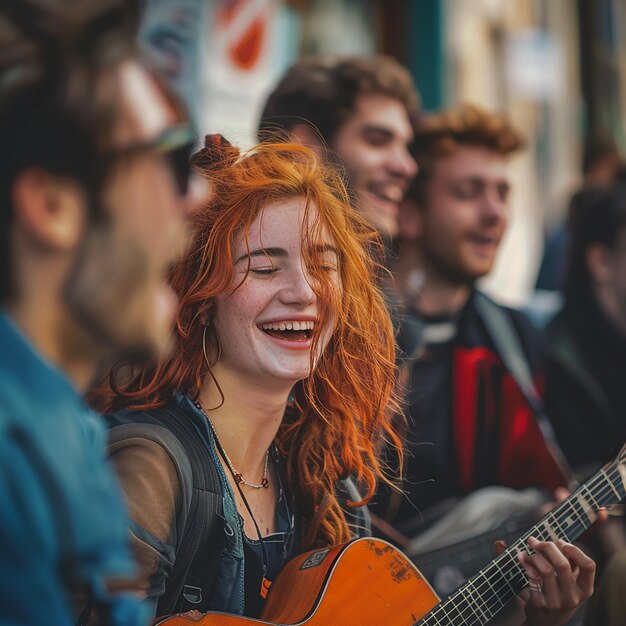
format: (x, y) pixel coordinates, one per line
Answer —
(368, 582)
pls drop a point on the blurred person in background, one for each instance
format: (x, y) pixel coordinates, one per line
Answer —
(471, 422)
(586, 362)
(585, 391)
(602, 164)
(356, 113)
(94, 167)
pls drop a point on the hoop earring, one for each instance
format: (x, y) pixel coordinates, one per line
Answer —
(210, 367)
(219, 348)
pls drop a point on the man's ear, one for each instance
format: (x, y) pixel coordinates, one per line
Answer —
(598, 259)
(304, 134)
(50, 210)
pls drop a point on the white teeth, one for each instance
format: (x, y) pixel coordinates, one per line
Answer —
(394, 194)
(291, 325)
(391, 193)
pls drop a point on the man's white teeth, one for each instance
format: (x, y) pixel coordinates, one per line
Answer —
(395, 194)
(295, 325)
(391, 193)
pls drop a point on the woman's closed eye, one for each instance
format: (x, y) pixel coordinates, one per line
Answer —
(264, 271)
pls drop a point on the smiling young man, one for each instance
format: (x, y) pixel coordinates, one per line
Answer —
(355, 112)
(93, 196)
(470, 423)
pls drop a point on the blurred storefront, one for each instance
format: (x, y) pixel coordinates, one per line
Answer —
(555, 66)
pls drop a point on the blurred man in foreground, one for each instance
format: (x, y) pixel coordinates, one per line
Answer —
(93, 195)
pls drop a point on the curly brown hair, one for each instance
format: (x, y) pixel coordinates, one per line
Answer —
(441, 134)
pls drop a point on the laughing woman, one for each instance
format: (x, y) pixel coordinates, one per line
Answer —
(282, 373)
(236, 453)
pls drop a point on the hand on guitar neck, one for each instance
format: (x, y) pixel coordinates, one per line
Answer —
(562, 575)
(561, 578)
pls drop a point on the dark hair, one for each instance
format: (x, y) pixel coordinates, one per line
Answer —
(596, 216)
(321, 91)
(58, 92)
(441, 134)
(596, 149)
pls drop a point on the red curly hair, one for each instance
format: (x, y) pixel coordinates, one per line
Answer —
(343, 412)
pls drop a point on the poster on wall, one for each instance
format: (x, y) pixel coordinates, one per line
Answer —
(171, 33)
(249, 44)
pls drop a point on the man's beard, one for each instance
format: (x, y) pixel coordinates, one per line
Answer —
(84, 294)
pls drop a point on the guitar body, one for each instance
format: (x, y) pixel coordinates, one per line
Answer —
(366, 582)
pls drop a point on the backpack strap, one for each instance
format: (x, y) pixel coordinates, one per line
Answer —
(198, 554)
(509, 348)
(200, 529)
(160, 435)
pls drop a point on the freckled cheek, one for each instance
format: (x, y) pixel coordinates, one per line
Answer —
(243, 312)
(235, 340)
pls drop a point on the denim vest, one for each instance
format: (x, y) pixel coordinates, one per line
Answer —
(227, 591)
(229, 585)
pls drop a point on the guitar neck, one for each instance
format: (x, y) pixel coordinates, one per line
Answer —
(488, 592)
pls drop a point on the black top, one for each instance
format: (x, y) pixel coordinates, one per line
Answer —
(276, 549)
(586, 382)
(469, 426)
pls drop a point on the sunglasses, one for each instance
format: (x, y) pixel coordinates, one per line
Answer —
(175, 144)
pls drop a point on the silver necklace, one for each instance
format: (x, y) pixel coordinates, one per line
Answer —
(239, 479)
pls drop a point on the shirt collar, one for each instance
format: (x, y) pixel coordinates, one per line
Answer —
(21, 358)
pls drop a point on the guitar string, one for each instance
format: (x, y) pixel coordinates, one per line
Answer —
(518, 570)
(538, 530)
(564, 510)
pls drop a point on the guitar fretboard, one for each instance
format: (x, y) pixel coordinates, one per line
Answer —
(487, 593)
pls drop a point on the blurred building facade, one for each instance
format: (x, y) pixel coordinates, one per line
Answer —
(557, 67)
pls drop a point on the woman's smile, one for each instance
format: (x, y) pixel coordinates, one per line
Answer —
(296, 333)
(269, 323)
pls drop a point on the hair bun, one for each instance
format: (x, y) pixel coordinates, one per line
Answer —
(218, 153)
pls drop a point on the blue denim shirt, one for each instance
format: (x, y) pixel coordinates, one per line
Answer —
(62, 523)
